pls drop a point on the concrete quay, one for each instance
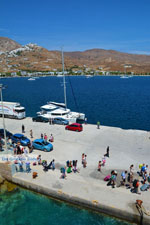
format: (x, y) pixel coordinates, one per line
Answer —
(87, 188)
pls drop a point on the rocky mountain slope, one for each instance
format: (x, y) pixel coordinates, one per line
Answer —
(14, 57)
(7, 44)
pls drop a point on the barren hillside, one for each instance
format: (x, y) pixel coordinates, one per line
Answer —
(14, 57)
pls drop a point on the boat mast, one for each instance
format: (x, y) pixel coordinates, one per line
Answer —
(64, 82)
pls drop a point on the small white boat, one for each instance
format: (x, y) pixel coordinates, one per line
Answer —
(88, 76)
(31, 79)
(59, 75)
(124, 77)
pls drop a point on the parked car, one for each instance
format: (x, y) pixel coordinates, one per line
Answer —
(40, 119)
(40, 144)
(74, 127)
(8, 134)
(61, 121)
(20, 138)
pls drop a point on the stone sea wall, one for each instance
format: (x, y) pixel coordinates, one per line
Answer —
(6, 176)
(6, 170)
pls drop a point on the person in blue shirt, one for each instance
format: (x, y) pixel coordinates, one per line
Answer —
(123, 175)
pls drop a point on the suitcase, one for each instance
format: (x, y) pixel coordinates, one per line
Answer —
(107, 178)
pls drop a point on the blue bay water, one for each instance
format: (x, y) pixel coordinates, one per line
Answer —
(113, 101)
(27, 208)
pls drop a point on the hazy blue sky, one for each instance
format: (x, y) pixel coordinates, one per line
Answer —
(122, 25)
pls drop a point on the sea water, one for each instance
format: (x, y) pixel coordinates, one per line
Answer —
(111, 100)
(27, 208)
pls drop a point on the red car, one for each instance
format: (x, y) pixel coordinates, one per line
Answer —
(75, 127)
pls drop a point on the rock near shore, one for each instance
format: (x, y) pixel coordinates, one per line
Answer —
(6, 186)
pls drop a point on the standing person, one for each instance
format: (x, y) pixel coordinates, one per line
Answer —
(98, 125)
(131, 174)
(113, 179)
(63, 171)
(82, 158)
(103, 161)
(85, 121)
(30, 147)
(23, 129)
(45, 137)
(51, 138)
(31, 133)
(84, 162)
(148, 178)
(25, 151)
(41, 136)
(107, 152)
(123, 176)
(14, 149)
(143, 169)
(75, 166)
(136, 185)
(145, 175)
(18, 149)
(99, 165)
(39, 160)
(53, 164)
(69, 170)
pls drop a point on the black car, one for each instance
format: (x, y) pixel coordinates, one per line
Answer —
(8, 134)
(40, 119)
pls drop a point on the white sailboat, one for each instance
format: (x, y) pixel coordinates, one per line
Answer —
(53, 109)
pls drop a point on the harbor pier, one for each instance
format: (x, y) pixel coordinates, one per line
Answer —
(86, 188)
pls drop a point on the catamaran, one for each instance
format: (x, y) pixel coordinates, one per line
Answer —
(53, 109)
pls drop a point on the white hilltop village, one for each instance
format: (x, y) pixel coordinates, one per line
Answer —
(14, 53)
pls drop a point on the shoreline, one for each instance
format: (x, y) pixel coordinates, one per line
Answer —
(87, 188)
(140, 75)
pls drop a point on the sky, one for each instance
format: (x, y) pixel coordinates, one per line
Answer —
(78, 25)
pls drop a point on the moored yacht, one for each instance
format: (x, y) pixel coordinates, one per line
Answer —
(54, 110)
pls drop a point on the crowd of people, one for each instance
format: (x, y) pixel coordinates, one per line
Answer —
(128, 178)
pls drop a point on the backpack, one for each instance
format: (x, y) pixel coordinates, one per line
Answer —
(134, 183)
